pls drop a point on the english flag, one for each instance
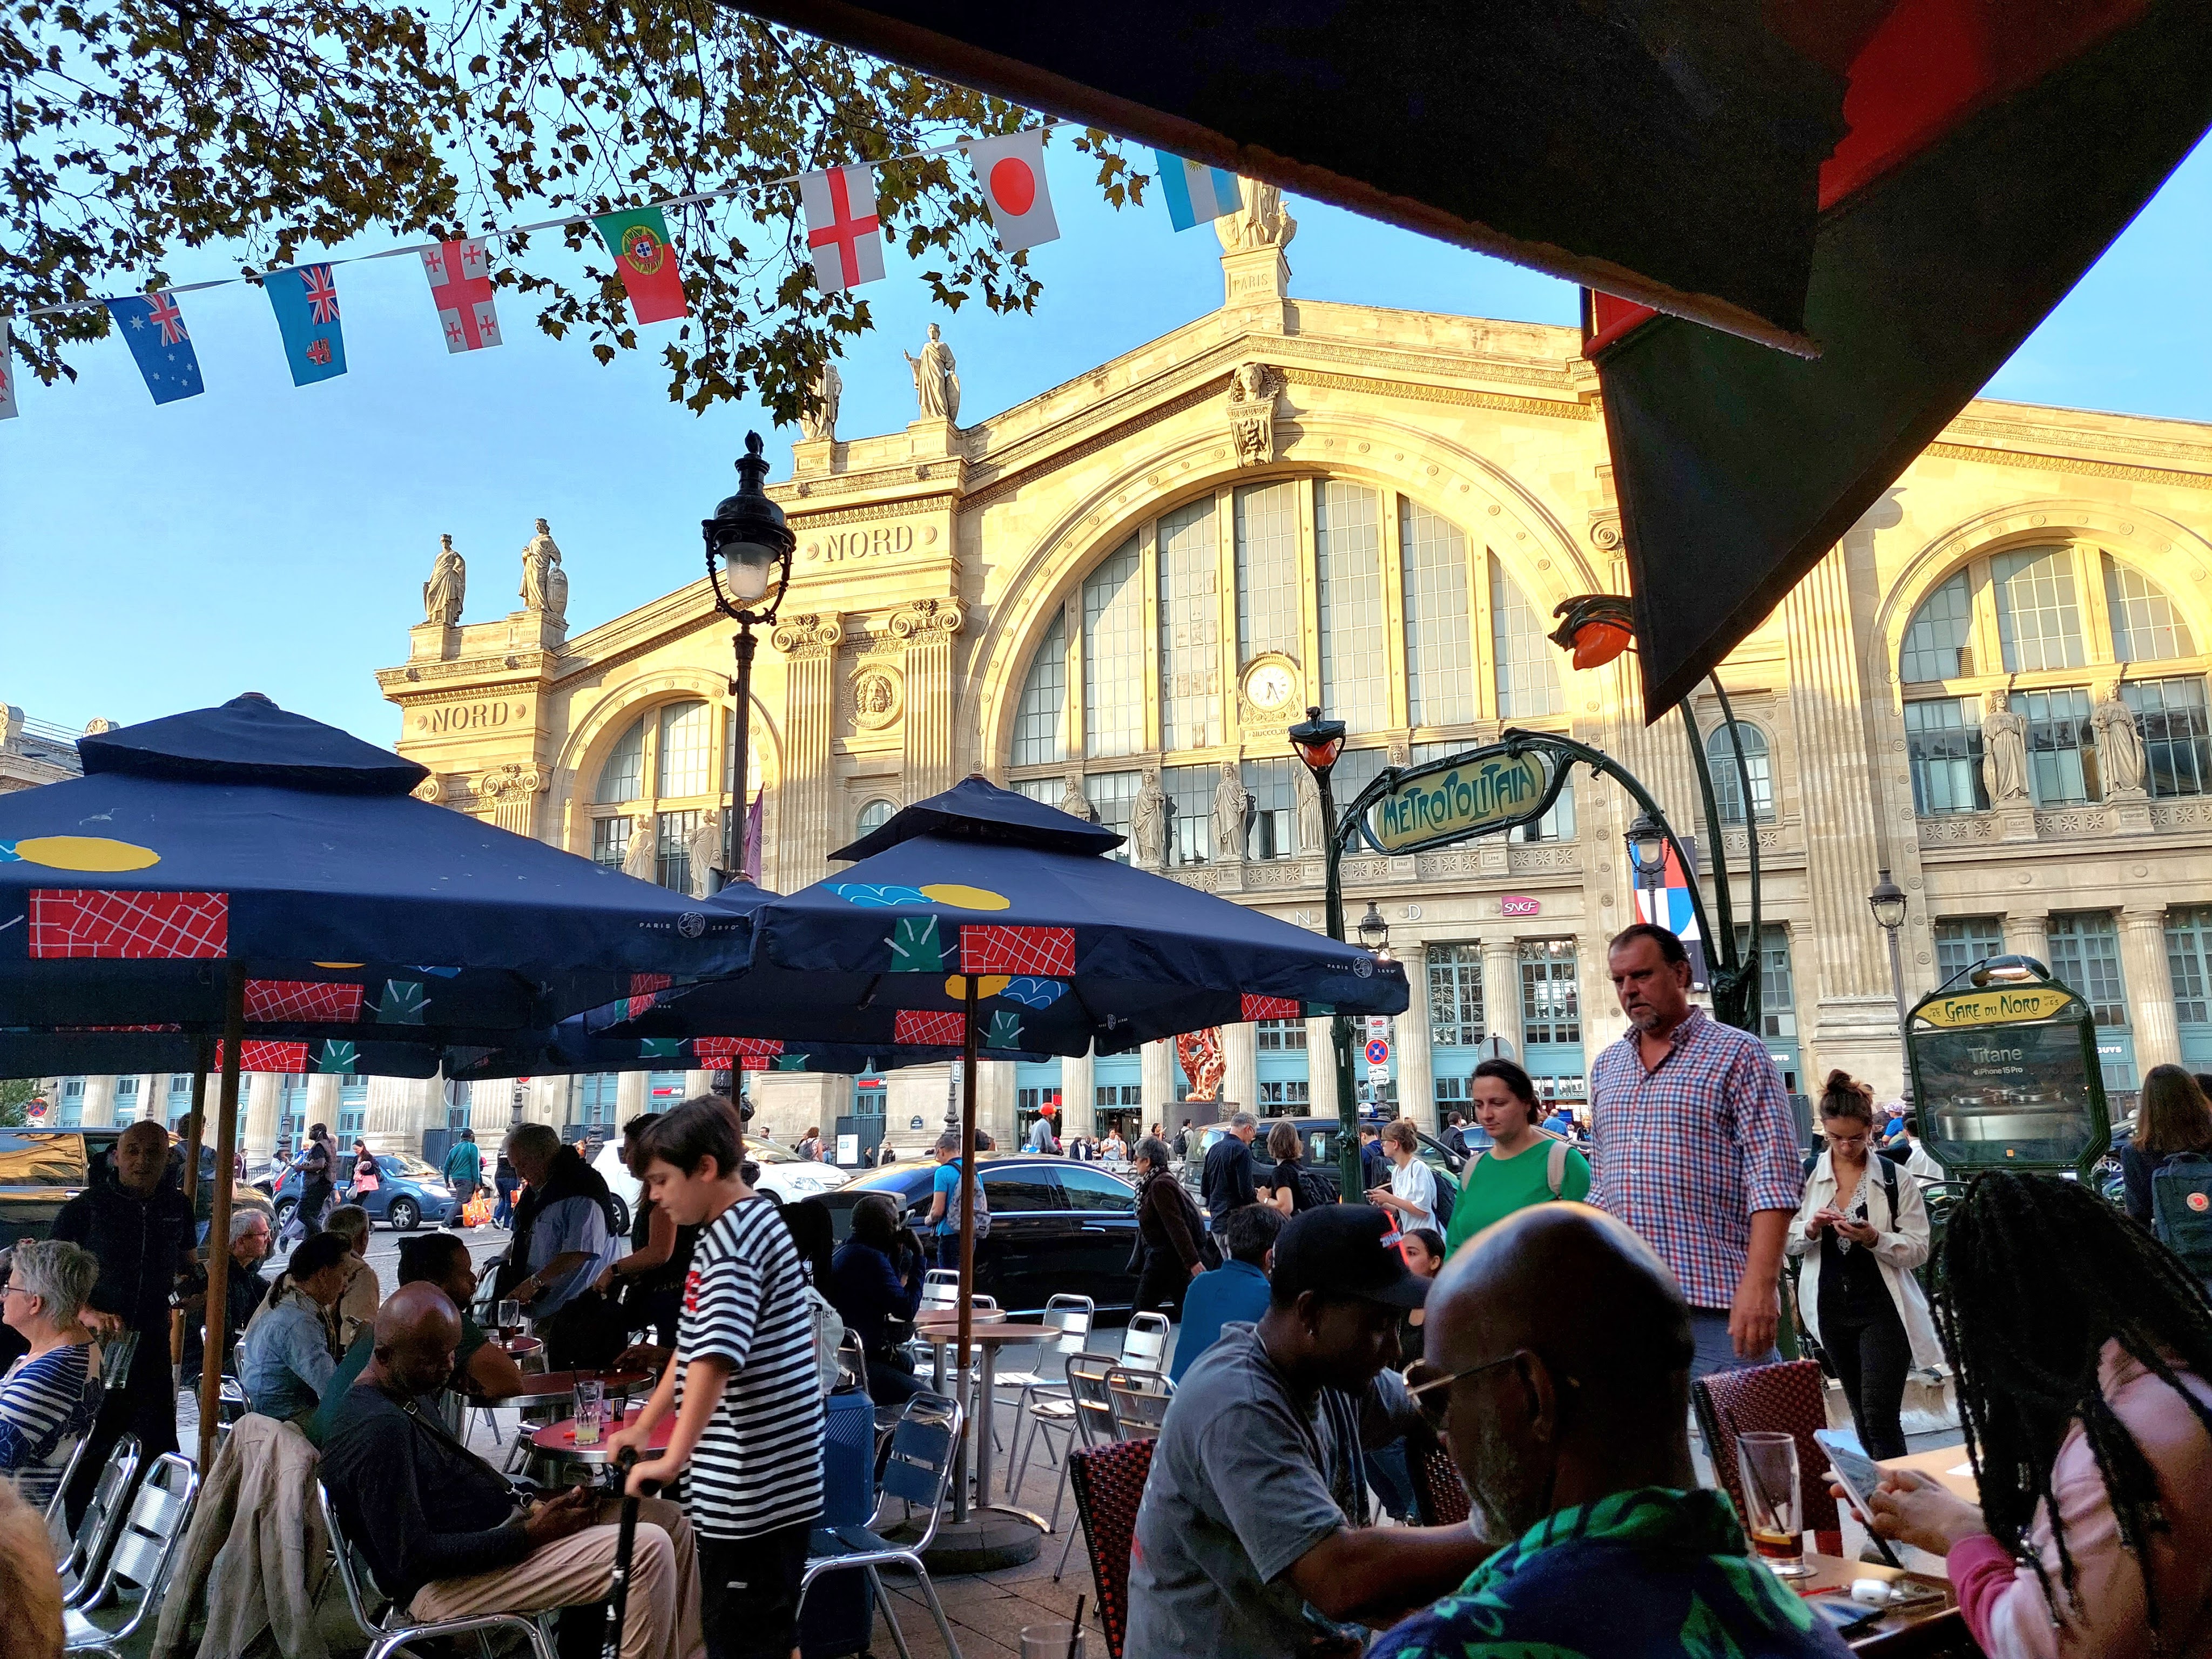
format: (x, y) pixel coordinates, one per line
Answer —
(1011, 171)
(8, 410)
(460, 287)
(842, 231)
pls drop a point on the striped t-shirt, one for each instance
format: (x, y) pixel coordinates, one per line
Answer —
(758, 1465)
(43, 1408)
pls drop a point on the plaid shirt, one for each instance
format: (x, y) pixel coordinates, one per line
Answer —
(1685, 1153)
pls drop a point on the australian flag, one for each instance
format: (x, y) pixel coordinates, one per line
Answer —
(153, 329)
(305, 300)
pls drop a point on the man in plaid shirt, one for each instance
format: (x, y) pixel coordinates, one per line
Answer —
(1692, 1146)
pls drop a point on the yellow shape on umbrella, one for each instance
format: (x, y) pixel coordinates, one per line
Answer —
(85, 853)
(964, 898)
(989, 985)
(337, 964)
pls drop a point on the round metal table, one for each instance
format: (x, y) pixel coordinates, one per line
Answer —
(559, 1387)
(556, 1441)
(992, 1332)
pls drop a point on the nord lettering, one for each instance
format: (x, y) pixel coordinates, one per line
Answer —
(467, 717)
(840, 545)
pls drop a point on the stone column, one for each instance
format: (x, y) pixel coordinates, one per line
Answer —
(98, 1106)
(257, 1101)
(698, 1083)
(1501, 990)
(1321, 1066)
(323, 1103)
(1240, 1048)
(2150, 987)
(1417, 1087)
(512, 792)
(1156, 1079)
(996, 1105)
(926, 725)
(1079, 1094)
(1855, 1013)
(631, 1097)
(806, 814)
(2028, 935)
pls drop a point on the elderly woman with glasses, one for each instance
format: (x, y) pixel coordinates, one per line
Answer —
(44, 1401)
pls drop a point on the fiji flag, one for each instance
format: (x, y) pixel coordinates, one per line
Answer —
(306, 302)
(1197, 194)
(153, 329)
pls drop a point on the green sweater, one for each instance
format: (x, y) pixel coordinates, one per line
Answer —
(1493, 1187)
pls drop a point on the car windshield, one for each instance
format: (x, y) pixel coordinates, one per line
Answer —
(414, 1167)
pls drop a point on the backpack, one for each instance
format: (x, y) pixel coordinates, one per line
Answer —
(2181, 1209)
(1444, 1199)
(1555, 1164)
(952, 1207)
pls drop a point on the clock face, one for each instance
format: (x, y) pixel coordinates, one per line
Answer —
(1269, 685)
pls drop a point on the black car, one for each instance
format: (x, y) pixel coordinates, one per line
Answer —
(1057, 1227)
(1320, 1137)
(42, 1170)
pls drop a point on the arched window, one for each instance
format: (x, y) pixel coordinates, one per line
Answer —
(686, 740)
(1439, 648)
(1113, 655)
(1527, 662)
(875, 814)
(622, 778)
(1728, 781)
(1348, 580)
(2147, 627)
(1937, 644)
(1041, 720)
(1190, 629)
(2039, 618)
(1267, 571)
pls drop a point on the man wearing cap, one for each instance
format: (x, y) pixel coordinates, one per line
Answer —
(1244, 1549)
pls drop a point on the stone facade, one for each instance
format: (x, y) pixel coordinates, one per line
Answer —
(1132, 578)
(36, 752)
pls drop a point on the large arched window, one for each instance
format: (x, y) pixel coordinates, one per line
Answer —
(1728, 778)
(2043, 632)
(661, 770)
(1211, 628)
(874, 815)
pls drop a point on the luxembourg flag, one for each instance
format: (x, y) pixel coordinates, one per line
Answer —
(1197, 194)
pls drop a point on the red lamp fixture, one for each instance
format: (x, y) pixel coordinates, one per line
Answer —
(1595, 627)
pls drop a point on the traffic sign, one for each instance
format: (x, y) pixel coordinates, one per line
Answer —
(1378, 1052)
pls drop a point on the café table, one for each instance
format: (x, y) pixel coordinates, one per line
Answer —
(992, 1331)
(556, 1441)
(1947, 1464)
(528, 1352)
(1934, 1631)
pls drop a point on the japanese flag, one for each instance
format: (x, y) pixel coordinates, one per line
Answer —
(843, 232)
(1011, 171)
(8, 410)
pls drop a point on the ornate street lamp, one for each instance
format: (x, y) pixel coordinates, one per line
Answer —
(1888, 903)
(749, 549)
(1647, 850)
(1318, 743)
(1375, 933)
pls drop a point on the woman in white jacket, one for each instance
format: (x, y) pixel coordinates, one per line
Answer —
(1861, 1231)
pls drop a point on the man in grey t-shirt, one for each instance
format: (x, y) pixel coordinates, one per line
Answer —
(1242, 1551)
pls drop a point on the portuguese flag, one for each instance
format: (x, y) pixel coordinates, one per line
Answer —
(638, 239)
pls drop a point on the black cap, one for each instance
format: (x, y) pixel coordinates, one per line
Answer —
(1345, 1250)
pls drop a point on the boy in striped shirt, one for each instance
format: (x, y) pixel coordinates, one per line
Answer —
(742, 1383)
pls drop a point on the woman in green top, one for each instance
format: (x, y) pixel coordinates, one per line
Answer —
(1524, 1165)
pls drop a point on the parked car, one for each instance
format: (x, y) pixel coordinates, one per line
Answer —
(1321, 1136)
(409, 1193)
(1056, 1225)
(782, 1172)
(42, 1170)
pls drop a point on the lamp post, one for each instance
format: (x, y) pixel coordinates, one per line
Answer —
(1888, 903)
(748, 551)
(1597, 627)
(1318, 743)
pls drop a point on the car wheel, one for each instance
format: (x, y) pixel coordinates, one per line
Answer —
(404, 1215)
(621, 1213)
(283, 1216)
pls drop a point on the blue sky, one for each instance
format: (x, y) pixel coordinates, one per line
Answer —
(271, 539)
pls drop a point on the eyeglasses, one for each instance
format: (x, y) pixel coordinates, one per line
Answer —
(1432, 1397)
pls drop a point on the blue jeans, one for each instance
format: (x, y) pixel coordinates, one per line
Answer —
(1709, 1332)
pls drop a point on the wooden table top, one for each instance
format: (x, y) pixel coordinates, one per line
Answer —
(1932, 1630)
(1947, 1464)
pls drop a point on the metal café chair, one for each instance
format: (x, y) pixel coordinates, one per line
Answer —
(1144, 1343)
(141, 1558)
(86, 1553)
(389, 1633)
(924, 1451)
(1140, 1402)
(1089, 1423)
(1072, 1316)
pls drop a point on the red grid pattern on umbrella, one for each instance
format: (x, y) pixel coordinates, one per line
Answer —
(132, 927)
(922, 1025)
(269, 1000)
(645, 990)
(259, 1054)
(721, 1050)
(120, 1028)
(998, 950)
(1272, 1008)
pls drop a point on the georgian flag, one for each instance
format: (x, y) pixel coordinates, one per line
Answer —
(1011, 172)
(843, 234)
(8, 409)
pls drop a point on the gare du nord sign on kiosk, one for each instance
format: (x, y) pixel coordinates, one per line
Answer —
(2005, 1075)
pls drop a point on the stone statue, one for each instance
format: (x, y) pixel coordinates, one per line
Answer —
(641, 858)
(1073, 801)
(704, 845)
(828, 387)
(1260, 223)
(2004, 751)
(1253, 388)
(97, 725)
(449, 584)
(1199, 1053)
(1148, 822)
(545, 584)
(935, 384)
(1313, 827)
(1232, 814)
(2119, 743)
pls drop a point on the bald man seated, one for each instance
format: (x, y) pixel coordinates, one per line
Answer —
(449, 1538)
(1559, 1367)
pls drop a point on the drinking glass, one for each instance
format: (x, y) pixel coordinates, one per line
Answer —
(591, 1409)
(510, 1321)
(1774, 1512)
(1054, 1639)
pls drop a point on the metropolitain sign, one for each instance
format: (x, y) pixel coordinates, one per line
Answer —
(1460, 797)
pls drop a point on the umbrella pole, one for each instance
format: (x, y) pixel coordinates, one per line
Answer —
(195, 1130)
(967, 1201)
(216, 1350)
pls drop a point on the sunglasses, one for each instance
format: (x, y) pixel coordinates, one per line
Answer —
(1433, 1396)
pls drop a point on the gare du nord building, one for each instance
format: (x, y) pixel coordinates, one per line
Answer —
(1157, 566)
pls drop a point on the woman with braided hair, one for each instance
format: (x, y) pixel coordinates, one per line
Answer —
(2083, 1352)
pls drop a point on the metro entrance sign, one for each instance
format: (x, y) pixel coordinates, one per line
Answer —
(2006, 1076)
(1476, 793)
